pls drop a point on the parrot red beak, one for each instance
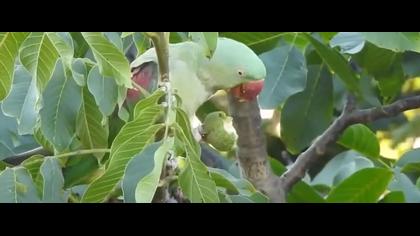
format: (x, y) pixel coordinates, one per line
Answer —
(248, 91)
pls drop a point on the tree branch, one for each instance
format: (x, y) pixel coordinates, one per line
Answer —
(251, 151)
(348, 117)
(161, 45)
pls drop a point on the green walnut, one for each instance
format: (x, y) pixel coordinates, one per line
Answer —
(218, 131)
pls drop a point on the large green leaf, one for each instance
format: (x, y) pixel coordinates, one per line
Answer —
(208, 40)
(349, 42)
(61, 103)
(364, 186)
(139, 166)
(39, 56)
(286, 75)
(303, 193)
(233, 185)
(81, 169)
(395, 41)
(105, 91)
(132, 138)
(337, 64)
(21, 103)
(194, 180)
(306, 114)
(341, 167)
(402, 183)
(258, 41)
(142, 42)
(53, 181)
(63, 43)
(147, 185)
(16, 186)
(32, 164)
(9, 48)
(93, 134)
(11, 143)
(111, 61)
(394, 197)
(80, 45)
(361, 139)
(410, 163)
(385, 65)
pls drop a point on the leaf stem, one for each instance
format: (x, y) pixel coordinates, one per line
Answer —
(83, 152)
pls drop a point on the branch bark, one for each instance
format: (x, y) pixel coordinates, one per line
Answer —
(349, 116)
(251, 151)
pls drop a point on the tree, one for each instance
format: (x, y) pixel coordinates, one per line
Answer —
(343, 123)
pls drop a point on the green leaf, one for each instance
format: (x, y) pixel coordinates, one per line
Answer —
(132, 138)
(61, 103)
(277, 167)
(254, 198)
(337, 64)
(306, 114)
(16, 186)
(194, 180)
(80, 45)
(286, 75)
(395, 41)
(9, 47)
(111, 61)
(394, 197)
(126, 34)
(410, 157)
(349, 42)
(21, 103)
(93, 134)
(387, 71)
(63, 43)
(233, 185)
(3, 165)
(142, 43)
(137, 168)
(81, 169)
(147, 185)
(361, 139)
(341, 167)
(364, 186)
(53, 181)
(32, 164)
(410, 163)
(303, 193)
(39, 56)
(401, 182)
(41, 140)
(105, 91)
(208, 40)
(151, 100)
(258, 41)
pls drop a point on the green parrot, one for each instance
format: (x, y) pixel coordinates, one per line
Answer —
(195, 77)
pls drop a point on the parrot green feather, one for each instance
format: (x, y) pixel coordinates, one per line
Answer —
(196, 78)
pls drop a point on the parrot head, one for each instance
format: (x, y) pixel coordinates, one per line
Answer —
(238, 68)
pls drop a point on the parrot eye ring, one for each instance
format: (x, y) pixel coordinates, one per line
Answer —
(241, 73)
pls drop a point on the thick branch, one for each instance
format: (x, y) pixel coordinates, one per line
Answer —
(349, 117)
(251, 152)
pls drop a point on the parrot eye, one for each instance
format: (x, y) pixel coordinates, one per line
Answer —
(241, 73)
